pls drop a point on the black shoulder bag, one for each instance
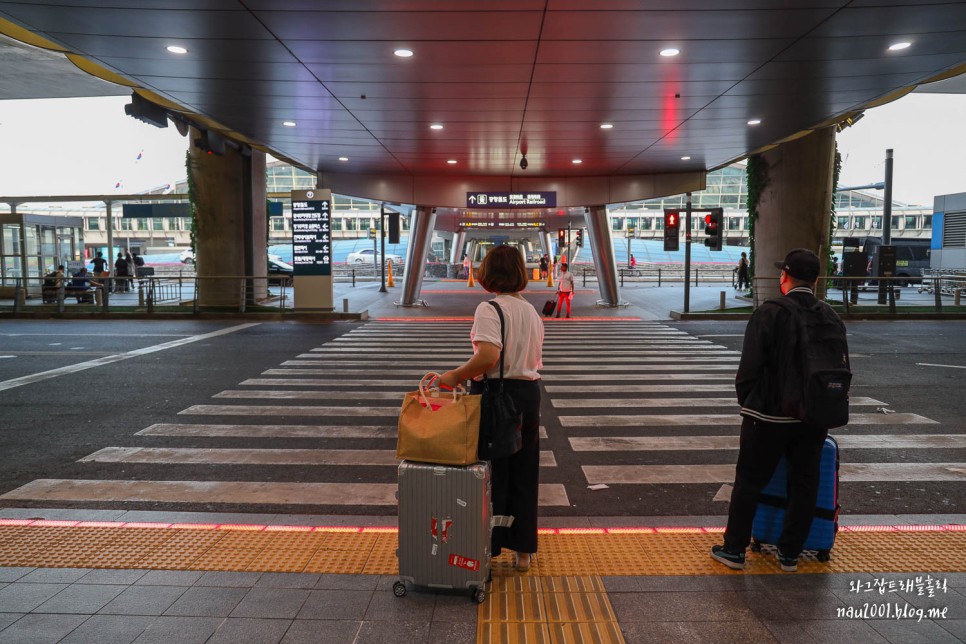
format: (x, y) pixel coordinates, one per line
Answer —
(500, 423)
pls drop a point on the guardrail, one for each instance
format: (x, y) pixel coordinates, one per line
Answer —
(845, 292)
(667, 274)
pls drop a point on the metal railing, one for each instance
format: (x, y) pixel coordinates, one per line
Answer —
(892, 294)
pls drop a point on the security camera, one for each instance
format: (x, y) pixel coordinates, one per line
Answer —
(523, 163)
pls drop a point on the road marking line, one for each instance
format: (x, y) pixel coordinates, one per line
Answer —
(234, 492)
(949, 366)
(709, 473)
(277, 410)
(724, 419)
(314, 395)
(278, 431)
(90, 364)
(630, 403)
(234, 456)
(689, 443)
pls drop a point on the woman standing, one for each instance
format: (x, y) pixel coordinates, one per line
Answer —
(565, 289)
(516, 478)
(743, 272)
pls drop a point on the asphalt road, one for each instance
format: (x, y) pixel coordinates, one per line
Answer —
(58, 404)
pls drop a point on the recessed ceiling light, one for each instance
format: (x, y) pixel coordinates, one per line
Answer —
(685, 158)
(577, 161)
(607, 126)
(175, 49)
(436, 126)
(451, 161)
(288, 123)
(343, 158)
(754, 122)
(899, 45)
(670, 51)
(404, 53)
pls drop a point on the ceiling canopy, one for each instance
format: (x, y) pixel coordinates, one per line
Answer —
(585, 88)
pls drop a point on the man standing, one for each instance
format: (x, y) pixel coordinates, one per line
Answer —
(769, 391)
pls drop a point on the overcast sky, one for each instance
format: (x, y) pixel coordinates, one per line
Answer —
(89, 146)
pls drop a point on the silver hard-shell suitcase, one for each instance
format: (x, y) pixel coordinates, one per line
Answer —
(445, 519)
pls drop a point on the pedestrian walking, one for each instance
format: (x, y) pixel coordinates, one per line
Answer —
(743, 281)
(99, 263)
(632, 263)
(544, 267)
(121, 283)
(776, 418)
(515, 478)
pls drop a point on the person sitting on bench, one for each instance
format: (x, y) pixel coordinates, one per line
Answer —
(80, 286)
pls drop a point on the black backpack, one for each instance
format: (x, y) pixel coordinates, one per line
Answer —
(821, 368)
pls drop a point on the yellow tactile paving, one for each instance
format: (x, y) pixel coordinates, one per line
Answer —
(560, 599)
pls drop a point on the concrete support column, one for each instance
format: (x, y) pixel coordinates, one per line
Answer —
(545, 243)
(795, 205)
(456, 255)
(420, 236)
(602, 248)
(231, 217)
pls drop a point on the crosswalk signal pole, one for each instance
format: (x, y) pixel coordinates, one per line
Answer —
(382, 237)
(687, 255)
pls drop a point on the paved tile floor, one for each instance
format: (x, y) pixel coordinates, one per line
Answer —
(114, 606)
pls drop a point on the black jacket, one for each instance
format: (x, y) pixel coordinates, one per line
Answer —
(767, 389)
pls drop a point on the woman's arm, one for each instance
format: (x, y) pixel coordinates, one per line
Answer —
(487, 354)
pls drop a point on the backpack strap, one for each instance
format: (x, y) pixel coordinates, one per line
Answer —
(499, 312)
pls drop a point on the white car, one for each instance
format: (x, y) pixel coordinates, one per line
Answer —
(370, 257)
(187, 256)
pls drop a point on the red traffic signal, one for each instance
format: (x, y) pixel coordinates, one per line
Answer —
(672, 219)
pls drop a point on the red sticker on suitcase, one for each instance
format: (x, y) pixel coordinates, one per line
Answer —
(464, 562)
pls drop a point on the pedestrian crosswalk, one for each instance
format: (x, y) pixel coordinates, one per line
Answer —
(641, 407)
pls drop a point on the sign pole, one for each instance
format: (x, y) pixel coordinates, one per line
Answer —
(382, 236)
(687, 256)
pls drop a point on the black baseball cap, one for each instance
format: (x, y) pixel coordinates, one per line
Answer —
(801, 264)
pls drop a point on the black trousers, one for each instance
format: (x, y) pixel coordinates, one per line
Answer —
(516, 479)
(762, 446)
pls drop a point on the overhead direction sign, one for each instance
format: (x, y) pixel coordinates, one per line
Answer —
(511, 199)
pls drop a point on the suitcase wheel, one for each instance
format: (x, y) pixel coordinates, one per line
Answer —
(823, 555)
(755, 545)
(479, 595)
(399, 589)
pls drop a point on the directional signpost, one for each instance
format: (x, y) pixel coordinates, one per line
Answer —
(312, 249)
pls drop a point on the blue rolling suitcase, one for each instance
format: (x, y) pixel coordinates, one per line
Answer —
(774, 498)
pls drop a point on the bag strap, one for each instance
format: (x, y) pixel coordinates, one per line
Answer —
(499, 312)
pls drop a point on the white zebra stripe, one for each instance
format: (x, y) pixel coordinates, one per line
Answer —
(688, 443)
(277, 431)
(233, 456)
(631, 402)
(638, 420)
(848, 473)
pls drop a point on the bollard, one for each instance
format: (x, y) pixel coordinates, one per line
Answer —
(659, 277)
(244, 294)
(140, 297)
(98, 297)
(696, 269)
(345, 305)
(939, 296)
(721, 303)
(956, 293)
(620, 271)
(353, 277)
(19, 298)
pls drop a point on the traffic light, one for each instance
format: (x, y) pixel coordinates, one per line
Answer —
(714, 228)
(672, 228)
(372, 233)
(580, 237)
(561, 239)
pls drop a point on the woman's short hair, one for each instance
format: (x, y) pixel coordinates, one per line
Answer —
(503, 271)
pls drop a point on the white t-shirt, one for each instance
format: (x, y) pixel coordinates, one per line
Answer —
(523, 355)
(566, 282)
